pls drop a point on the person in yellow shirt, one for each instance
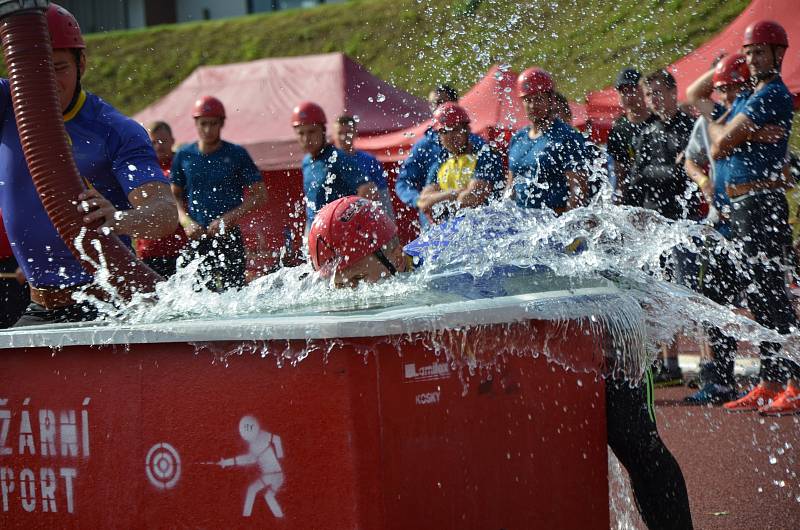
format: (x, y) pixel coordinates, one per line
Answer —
(470, 175)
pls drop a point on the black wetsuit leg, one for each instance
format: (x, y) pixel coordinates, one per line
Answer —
(656, 479)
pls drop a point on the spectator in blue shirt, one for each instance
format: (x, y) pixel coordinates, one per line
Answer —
(755, 183)
(470, 174)
(345, 132)
(426, 153)
(719, 281)
(328, 173)
(547, 160)
(215, 184)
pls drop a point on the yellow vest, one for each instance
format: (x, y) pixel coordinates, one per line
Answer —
(456, 172)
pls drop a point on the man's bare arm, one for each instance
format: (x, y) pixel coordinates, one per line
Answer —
(726, 137)
(699, 94)
(152, 214)
(255, 195)
(578, 189)
(475, 194)
(699, 177)
(433, 194)
(191, 227)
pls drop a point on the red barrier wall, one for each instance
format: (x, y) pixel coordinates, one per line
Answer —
(161, 436)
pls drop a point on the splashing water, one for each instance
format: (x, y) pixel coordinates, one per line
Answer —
(498, 250)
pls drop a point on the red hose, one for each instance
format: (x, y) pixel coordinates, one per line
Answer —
(26, 47)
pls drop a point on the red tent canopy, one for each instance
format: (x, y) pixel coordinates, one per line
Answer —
(259, 97)
(494, 107)
(603, 106)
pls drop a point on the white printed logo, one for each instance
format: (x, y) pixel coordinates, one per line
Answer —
(163, 466)
(430, 372)
(265, 450)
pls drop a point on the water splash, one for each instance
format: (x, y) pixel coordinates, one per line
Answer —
(498, 250)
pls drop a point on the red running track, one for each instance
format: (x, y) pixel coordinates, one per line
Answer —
(742, 470)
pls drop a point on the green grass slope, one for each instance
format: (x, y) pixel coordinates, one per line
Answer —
(415, 44)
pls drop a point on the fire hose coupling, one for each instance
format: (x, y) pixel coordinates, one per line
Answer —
(12, 7)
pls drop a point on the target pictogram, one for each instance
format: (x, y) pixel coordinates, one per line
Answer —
(163, 466)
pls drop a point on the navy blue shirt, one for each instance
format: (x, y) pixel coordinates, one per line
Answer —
(113, 154)
(752, 161)
(539, 166)
(329, 176)
(213, 183)
(372, 168)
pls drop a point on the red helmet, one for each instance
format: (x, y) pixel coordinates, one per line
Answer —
(731, 70)
(535, 81)
(64, 29)
(208, 107)
(448, 116)
(347, 230)
(765, 32)
(308, 113)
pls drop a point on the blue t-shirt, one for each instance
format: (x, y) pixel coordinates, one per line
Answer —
(213, 183)
(113, 154)
(414, 172)
(330, 176)
(539, 165)
(488, 166)
(372, 168)
(752, 161)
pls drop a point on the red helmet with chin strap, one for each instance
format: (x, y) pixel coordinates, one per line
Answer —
(448, 116)
(765, 32)
(535, 81)
(65, 33)
(347, 230)
(731, 70)
(308, 113)
(208, 107)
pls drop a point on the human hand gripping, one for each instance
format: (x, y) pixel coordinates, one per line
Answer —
(99, 213)
(219, 226)
(192, 229)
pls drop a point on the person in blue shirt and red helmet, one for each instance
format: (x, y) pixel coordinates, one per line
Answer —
(215, 184)
(425, 154)
(719, 280)
(756, 184)
(339, 251)
(328, 173)
(469, 176)
(127, 193)
(547, 161)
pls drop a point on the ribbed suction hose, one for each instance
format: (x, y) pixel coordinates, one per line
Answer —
(29, 58)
